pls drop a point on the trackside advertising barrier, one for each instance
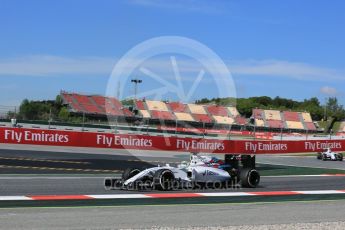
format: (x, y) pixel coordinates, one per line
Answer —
(145, 142)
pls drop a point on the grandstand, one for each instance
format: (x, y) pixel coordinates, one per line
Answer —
(196, 115)
(94, 105)
(258, 116)
(275, 119)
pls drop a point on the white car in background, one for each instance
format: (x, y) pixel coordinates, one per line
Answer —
(328, 154)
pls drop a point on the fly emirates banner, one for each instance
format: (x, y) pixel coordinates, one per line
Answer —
(145, 142)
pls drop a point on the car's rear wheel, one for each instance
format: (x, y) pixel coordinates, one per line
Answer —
(164, 179)
(250, 178)
(129, 173)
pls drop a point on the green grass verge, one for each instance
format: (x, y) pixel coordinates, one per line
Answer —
(282, 170)
(302, 155)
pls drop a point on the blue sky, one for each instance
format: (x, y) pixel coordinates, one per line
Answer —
(291, 49)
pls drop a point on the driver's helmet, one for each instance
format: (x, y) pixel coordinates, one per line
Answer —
(213, 161)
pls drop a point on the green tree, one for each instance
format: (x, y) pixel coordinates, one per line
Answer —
(334, 109)
(35, 110)
(63, 114)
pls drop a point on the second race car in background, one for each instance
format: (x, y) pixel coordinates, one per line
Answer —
(328, 154)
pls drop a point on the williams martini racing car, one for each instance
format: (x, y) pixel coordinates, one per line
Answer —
(200, 172)
(327, 154)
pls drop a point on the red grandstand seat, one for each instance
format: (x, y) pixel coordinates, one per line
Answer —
(240, 120)
(81, 98)
(116, 103)
(291, 116)
(258, 114)
(275, 124)
(217, 110)
(86, 103)
(162, 115)
(71, 103)
(177, 107)
(310, 126)
(140, 105)
(127, 113)
(114, 112)
(99, 100)
(202, 118)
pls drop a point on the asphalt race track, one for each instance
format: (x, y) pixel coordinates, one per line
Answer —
(75, 185)
(47, 173)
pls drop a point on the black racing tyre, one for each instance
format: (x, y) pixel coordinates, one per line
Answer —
(130, 172)
(340, 156)
(323, 157)
(250, 178)
(164, 179)
(319, 156)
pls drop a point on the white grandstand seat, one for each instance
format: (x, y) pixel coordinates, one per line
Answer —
(217, 110)
(258, 114)
(224, 120)
(294, 125)
(233, 111)
(259, 122)
(196, 109)
(156, 105)
(184, 117)
(306, 117)
(145, 113)
(272, 115)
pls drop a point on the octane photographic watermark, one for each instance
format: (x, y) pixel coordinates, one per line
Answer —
(152, 78)
(162, 70)
(176, 185)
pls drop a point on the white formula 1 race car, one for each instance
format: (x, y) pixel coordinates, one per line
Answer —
(328, 154)
(201, 171)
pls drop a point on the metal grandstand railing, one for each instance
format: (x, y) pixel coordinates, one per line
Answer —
(7, 111)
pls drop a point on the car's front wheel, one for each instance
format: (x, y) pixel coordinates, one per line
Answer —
(164, 179)
(129, 173)
(324, 157)
(319, 156)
